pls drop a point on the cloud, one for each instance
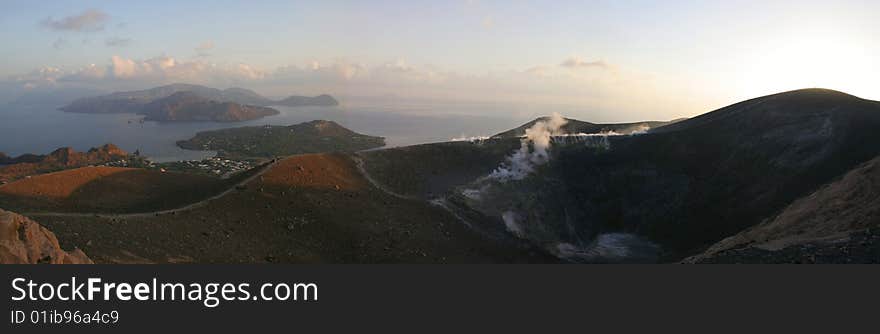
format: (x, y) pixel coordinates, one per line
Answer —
(160, 70)
(44, 76)
(117, 42)
(203, 50)
(338, 72)
(89, 73)
(539, 70)
(578, 62)
(605, 93)
(89, 20)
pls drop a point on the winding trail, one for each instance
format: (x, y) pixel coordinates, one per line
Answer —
(263, 169)
(359, 163)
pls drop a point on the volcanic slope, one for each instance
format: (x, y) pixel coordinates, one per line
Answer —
(839, 223)
(690, 184)
(107, 190)
(573, 126)
(306, 208)
(430, 170)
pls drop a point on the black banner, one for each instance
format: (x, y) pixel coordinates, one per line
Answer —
(451, 298)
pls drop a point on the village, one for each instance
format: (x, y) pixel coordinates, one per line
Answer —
(217, 166)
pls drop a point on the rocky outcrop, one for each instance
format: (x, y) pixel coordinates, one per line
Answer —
(67, 156)
(23, 241)
(62, 158)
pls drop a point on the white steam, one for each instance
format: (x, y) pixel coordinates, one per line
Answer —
(510, 222)
(533, 151)
(493, 194)
(472, 139)
(640, 130)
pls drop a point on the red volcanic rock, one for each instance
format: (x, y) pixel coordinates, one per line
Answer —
(64, 156)
(23, 241)
(106, 153)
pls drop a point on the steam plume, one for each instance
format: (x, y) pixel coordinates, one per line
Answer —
(533, 151)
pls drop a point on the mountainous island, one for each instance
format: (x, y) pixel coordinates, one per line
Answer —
(272, 141)
(189, 106)
(185, 102)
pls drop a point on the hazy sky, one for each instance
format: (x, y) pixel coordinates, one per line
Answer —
(634, 59)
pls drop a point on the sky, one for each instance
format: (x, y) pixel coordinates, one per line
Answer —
(628, 60)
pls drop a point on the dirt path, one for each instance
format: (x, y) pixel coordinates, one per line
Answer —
(263, 170)
(359, 162)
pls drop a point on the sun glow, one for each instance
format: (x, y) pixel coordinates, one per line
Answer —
(825, 59)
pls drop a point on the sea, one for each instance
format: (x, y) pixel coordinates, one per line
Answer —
(42, 129)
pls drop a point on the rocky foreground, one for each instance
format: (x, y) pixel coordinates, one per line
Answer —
(24, 241)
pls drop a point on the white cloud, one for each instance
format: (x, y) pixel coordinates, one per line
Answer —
(578, 62)
(607, 90)
(86, 74)
(89, 20)
(165, 69)
(47, 75)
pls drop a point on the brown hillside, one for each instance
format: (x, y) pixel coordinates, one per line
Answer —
(316, 171)
(106, 189)
(62, 158)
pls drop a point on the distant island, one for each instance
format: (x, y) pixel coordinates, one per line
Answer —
(189, 106)
(271, 141)
(185, 102)
(303, 101)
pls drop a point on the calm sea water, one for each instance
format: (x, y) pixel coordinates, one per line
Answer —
(40, 130)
